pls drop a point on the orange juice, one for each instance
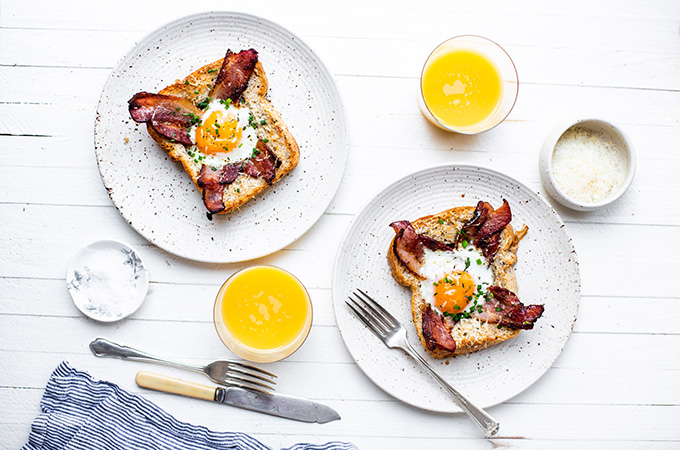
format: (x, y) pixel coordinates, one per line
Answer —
(461, 87)
(263, 313)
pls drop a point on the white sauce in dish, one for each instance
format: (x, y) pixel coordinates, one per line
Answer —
(587, 165)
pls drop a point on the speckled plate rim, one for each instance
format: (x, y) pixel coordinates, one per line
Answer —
(392, 370)
(311, 215)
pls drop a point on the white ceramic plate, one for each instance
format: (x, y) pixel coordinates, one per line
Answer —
(547, 272)
(157, 197)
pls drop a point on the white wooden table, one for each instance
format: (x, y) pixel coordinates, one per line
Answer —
(616, 385)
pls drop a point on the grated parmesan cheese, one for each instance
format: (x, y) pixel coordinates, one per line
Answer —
(587, 166)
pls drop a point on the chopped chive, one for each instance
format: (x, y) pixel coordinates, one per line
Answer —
(464, 243)
(263, 122)
(186, 81)
(265, 140)
(479, 262)
(441, 221)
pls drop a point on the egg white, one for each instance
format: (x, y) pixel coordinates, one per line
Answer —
(439, 263)
(248, 142)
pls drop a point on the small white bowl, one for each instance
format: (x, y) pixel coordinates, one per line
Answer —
(618, 137)
(107, 280)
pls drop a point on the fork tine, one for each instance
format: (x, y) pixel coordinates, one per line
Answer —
(361, 314)
(373, 316)
(372, 313)
(266, 390)
(237, 370)
(246, 382)
(252, 368)
(379, 310)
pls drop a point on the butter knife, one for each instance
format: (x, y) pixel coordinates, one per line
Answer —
(275, 404)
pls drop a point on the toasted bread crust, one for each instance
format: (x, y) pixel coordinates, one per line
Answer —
(280, 140)
(470, 334)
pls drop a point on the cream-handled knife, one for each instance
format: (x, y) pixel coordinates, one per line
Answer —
(275, 404)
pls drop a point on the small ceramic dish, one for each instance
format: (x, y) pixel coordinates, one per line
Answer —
(596, 129)
(107, 280)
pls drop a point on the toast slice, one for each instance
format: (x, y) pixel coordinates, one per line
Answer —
(274, 139)
(447, 230)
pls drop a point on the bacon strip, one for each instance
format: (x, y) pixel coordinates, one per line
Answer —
(234, 74)
(264, 164)
(168, 115)
(485, 227)
(213, 183)
(409, 245)
(504, 308)
(436, 331)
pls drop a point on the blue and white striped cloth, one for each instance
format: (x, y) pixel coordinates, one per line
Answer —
(82, 413)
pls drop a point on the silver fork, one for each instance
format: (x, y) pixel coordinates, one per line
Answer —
(393, 334)
(226, 373)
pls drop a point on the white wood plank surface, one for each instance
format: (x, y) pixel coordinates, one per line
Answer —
(614, 386)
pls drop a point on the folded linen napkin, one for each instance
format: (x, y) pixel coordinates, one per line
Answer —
(82, 413)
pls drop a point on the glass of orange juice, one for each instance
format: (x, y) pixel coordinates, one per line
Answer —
(468, 85)
(263, 313)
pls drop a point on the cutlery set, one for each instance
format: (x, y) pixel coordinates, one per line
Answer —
(252, 388)
(245, 386)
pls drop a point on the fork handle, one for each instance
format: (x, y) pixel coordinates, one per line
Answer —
(105, 348)
(487, 423)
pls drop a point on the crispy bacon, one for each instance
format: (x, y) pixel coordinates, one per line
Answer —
(264, 164)
(234, 74)
(213, 181)
(168, 115)
(504, 308)
(409, 245)
(485, 227)
(436, 331)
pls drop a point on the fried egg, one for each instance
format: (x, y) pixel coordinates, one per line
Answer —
(224, 134)
(455, 281)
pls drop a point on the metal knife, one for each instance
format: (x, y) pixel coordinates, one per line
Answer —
(275, 404)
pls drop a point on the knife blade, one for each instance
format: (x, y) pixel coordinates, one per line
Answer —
(279, 405)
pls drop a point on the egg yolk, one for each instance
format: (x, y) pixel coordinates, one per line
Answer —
(453, 292)
(219, 133)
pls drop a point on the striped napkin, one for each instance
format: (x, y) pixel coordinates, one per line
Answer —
(81, 413)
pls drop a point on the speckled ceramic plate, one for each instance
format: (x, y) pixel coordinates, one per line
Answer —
(547, 272)
(157, 197)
